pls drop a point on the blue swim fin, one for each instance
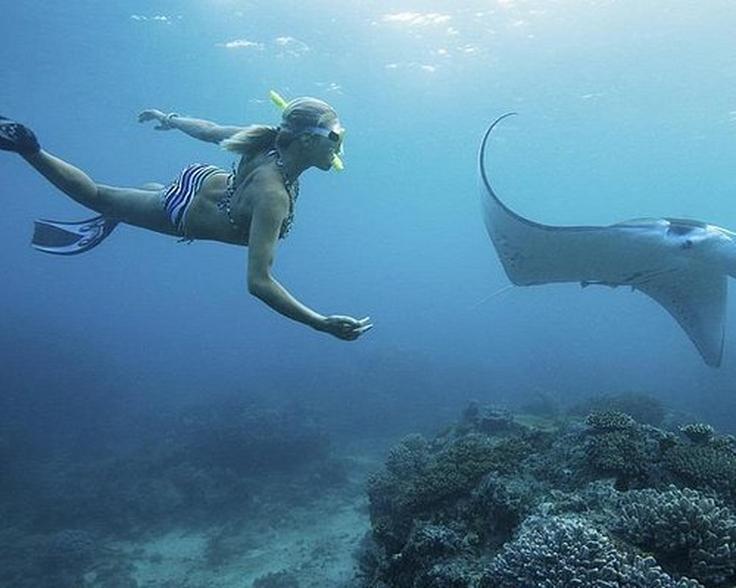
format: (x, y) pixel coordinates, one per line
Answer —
(71, 238)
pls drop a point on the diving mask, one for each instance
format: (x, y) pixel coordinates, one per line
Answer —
(334, 135)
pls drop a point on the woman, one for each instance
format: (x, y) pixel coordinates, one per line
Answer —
(252, 206)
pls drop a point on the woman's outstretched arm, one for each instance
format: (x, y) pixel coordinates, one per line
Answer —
(201, 129)
(268, 215)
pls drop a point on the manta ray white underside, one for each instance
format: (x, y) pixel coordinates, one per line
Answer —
(681, 264)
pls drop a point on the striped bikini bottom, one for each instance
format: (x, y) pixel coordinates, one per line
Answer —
(178, 196)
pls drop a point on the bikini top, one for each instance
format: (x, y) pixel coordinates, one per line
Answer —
(292, 189)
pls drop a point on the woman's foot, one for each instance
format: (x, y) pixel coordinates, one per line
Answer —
(17, 138)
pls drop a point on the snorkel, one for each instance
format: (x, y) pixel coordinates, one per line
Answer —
(281, 104)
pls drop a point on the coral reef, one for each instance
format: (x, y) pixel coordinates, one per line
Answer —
(562, 552)
(500, 502)
(427, 543)
(626, 454)
(419, 478)
(609, 420)
(642, 408)
(684, 529)
(705, 467)
(700, 433)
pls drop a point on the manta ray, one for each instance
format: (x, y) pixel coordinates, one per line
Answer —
(681, 264)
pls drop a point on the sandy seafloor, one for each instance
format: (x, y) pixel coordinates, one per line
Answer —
(313, 543)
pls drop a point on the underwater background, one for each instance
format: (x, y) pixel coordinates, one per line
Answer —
(627, 110)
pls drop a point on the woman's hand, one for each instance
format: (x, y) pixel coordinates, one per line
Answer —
(346, 327)
(163, 119)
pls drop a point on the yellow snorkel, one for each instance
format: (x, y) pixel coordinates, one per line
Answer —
(277, 99)
(281, 104)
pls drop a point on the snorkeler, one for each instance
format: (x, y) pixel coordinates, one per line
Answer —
(251, 206)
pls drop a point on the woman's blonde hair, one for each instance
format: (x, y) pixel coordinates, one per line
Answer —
(252, 140)
(299, 115)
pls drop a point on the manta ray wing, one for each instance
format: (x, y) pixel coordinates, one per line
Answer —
(634, 253)
(533, 254)
(697, 301)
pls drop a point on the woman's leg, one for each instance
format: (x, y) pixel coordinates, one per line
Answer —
(134, 206)
(69, 179)
(142, 208)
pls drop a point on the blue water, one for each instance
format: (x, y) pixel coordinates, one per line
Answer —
(628, 110)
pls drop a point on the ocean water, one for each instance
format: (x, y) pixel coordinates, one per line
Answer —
(627, 109)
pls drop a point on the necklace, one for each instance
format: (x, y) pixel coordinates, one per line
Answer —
(292, 189)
